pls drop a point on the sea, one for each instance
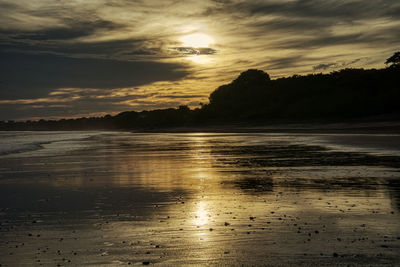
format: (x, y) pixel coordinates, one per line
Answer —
(101, 198)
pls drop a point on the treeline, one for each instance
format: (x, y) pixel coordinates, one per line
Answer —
(345, 94)
(254, 98)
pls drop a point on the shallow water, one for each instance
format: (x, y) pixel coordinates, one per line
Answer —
(99, 198)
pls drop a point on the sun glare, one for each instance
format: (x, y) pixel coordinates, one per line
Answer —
(201, 217)
(197, 40)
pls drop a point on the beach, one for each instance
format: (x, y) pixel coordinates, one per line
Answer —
(226, 199)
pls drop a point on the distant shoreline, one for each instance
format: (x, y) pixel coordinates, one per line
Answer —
(386, 127)
(345, 128)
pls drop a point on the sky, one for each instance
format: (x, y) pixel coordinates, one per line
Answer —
(73, 58)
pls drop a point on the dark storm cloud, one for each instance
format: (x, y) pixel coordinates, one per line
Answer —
(35, 75)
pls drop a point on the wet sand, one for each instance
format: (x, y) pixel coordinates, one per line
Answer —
(204, 199)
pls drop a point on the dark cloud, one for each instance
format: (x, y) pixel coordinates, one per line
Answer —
(314, 23)
(284, 62)
(35, 75)
(62, 41)
(186, 51)
(326, 40)
(293, 25)
(324, 66)
(222, 1)
(120, 49)
(374, 37)
(328, 9)
(349, 63)
(71, 29)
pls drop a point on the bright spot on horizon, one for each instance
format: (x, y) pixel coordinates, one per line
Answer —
(197, 40)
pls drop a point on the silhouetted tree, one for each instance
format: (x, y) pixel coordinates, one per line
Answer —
(348, 93)
(244, 92)
(394, 60)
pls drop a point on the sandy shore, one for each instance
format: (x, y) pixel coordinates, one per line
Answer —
(203, 199)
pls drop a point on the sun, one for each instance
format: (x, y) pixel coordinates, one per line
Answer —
(197, 40)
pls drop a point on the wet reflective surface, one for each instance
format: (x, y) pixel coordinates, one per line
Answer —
(202, 199)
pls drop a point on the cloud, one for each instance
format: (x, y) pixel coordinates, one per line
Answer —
(72, 102)
(70, 29)
(66, 41)
(186, 51)
(36, 75)
(289, 61)
(329, 9)
(309, 24)
(324, 66)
